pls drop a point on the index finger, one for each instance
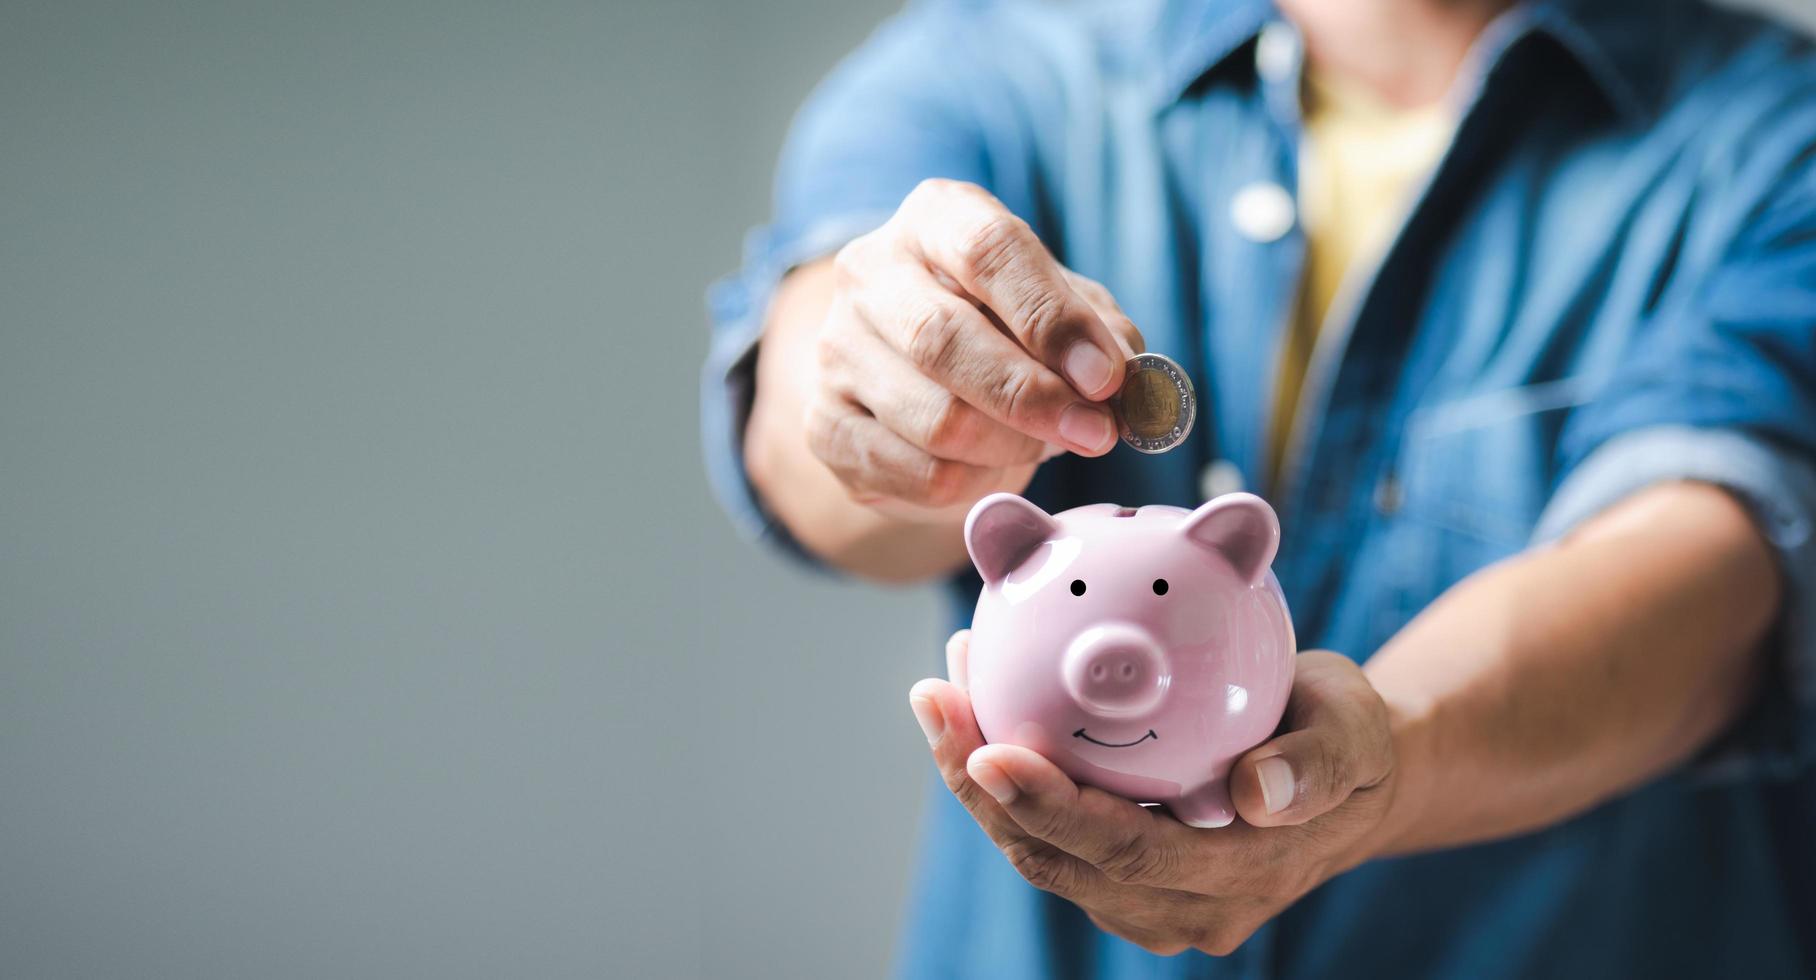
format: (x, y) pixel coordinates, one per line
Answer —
(968, 234)
(949, 340)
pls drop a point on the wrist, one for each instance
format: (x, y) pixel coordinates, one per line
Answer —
(1411, 726)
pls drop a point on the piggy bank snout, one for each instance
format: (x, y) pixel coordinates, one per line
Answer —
(1115, 671)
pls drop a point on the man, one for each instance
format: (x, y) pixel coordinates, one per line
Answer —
(1508, 308)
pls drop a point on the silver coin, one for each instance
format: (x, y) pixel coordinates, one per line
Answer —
(1156, 407)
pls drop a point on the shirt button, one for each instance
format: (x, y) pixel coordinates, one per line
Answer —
(1388, 496)
(1262, 212)
(1277, 51)
(1219, 478)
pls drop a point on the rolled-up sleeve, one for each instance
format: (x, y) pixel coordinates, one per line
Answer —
(737, 306)
(1721, 388)
(898, 111)
(1778, 487)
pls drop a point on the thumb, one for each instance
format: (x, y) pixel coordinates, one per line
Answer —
(1340, 743)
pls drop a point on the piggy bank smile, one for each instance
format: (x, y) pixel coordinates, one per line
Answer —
(1114, 745)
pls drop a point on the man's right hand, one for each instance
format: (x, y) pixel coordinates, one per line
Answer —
(957, 355)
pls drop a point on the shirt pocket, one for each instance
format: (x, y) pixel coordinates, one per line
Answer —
(1470, 480)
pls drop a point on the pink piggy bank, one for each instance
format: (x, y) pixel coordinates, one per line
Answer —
(1143, 651)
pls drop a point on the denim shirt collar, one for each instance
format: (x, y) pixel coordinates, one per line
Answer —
(1615, 44)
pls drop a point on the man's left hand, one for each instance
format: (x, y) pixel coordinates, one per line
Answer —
(1311, 802)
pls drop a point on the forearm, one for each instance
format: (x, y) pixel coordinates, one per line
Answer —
(1547, 684)
(796, 487)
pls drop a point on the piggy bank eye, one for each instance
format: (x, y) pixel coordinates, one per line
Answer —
(1078, 586)
(1160, 586)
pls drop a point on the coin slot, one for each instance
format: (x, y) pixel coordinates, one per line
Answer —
(1124, 512)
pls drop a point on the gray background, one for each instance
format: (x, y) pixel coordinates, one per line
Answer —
(363, 611)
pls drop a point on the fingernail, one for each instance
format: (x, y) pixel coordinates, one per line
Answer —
(1052, 452)
(1276, 783)
(994, 781)
(933, 724)
(1087, 367)
(1086, 427)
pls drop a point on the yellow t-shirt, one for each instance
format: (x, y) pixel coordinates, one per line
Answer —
(1359, 162)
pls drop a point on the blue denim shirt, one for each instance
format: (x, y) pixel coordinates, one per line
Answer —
(1609, 281)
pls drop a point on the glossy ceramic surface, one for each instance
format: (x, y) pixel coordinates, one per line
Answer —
(1142, 650)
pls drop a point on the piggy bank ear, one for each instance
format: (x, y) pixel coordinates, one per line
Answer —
(1002, 531)
(1242, 528)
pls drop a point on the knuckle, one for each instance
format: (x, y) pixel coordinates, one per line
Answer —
(934, 196)
(1215, 946)
(830, 441)
(950, 426)
(1135, 861)
(989, 244)
(942, 190)
(1013, 391)
(1043, 867)
(1041, 318)
(970, 795)
(958, 782)
(829, 351)
(943, 483)
(823, 424)
(1157, 943)
(1329, 772)
(834, 439)
(1220, 940)
(860, 496)
(930, 187)
(931, 336)
(1164, 947)
(848, 262)
(1043, 822)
